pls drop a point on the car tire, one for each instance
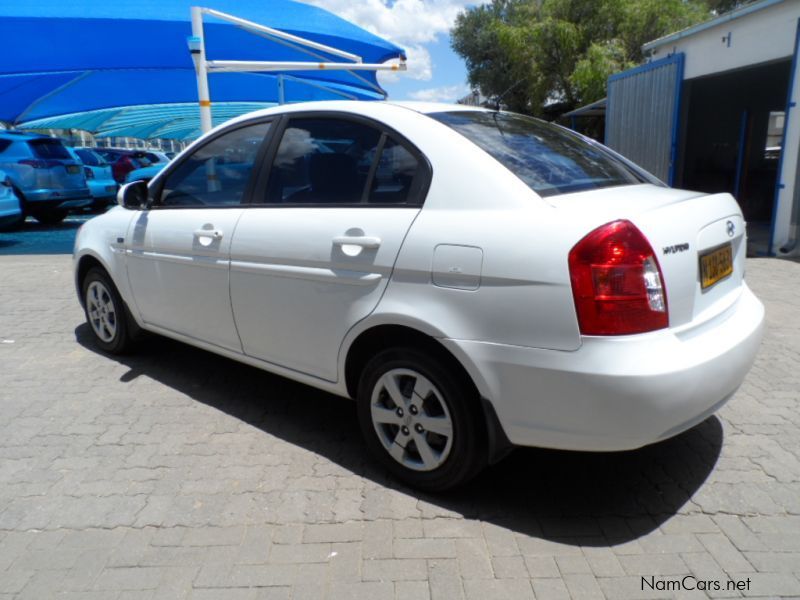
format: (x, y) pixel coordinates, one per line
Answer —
(51, 217)
(431, 437)
(106, 313)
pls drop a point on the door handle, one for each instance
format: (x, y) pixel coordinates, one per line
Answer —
(364, 241)
(214, 234)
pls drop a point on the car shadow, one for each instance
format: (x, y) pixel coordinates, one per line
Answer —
(7, 243)
(33, 237)
(580, 498)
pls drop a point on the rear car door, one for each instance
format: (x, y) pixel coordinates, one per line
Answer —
(314, 253)
(179, 250)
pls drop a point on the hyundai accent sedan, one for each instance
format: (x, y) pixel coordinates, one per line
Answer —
(474, 280)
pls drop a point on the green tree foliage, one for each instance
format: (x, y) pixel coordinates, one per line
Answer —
(533, 53)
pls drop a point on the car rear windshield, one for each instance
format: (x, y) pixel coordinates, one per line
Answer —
(48, 148)
(547, 158)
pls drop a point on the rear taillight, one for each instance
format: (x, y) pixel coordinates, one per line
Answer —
(88, 173)
(617, 282)
(39, 163)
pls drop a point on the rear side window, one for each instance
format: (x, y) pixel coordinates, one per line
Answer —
(4, 144)
(548, 159)
(397, 175)
(333, 161)
(49, 148)
(322, 161)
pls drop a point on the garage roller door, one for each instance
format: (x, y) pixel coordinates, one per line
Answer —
(642, 114)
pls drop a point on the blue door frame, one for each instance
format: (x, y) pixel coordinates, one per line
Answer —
(790, 104)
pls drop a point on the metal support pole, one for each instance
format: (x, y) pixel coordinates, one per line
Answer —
(199, 57)
(281, 90)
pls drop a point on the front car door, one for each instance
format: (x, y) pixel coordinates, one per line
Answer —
(314, 253)
(179, 251)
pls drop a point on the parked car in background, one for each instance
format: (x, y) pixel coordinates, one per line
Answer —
(10, 205)
(474, 279)
(157, 156)
(45, 176)
(123, 161)
(145, 173)
(99, 177)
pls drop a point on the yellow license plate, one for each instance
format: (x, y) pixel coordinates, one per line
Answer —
(72, 169)
(716, 265)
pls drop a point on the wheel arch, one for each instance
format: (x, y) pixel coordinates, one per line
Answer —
(90, 260)
(371, 340)
(82, 267)
(386, 335)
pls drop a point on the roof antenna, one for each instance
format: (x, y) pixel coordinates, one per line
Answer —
(499, 97)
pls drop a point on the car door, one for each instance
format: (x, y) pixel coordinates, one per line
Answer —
(314, 253)
(179, 250)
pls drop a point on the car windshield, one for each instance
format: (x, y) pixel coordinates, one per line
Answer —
(48, 148)
(547, 158)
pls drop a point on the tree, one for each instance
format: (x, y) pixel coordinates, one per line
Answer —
(527, 54)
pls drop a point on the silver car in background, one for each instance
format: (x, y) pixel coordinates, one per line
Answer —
(10, 206)
(99, 177)
(48, 180)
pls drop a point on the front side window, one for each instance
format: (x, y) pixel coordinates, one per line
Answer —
(548, 159)
(217, 173)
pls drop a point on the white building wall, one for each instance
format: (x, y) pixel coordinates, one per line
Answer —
(758, 37)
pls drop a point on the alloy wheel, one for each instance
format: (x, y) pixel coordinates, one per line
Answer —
(101, 310)
(412, 420)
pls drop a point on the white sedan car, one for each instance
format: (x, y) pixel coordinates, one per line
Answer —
(474, 279)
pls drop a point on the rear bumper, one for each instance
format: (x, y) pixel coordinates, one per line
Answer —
(8, 217)
(9, 208)
(103, 190)
(617, 393)
(53, 195)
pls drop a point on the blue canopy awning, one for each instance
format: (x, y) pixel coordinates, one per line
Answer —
(62, 58)
(163, 121)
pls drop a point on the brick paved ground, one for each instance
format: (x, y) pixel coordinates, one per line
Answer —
(179, 474)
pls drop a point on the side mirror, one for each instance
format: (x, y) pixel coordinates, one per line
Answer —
(134, 196)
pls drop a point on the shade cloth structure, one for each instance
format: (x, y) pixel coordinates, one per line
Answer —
(63, 58)
(162, 121)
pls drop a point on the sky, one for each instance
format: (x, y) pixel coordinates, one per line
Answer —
(422, 27)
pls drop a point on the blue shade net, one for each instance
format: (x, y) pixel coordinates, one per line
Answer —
(101, 66)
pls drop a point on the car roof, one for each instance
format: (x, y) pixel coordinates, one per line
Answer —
(13, 134)
(119, 150)
(356, 107)
(436, 107)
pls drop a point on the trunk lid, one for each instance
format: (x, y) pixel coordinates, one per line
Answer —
(67, 176)
(681, 226)
(62, 171)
